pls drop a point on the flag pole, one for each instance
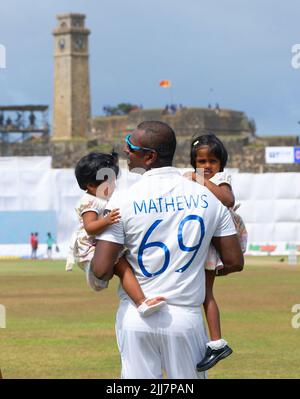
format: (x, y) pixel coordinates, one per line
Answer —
(168, 85)
(171, 94)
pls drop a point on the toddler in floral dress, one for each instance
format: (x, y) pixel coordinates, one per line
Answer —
(93, 221)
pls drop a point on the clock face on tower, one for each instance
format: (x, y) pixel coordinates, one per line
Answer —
(78, 43)
(77, 22)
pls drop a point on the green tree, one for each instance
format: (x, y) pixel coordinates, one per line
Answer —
(120, 109)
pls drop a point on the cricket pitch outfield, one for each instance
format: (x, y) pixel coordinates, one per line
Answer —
(57, 328)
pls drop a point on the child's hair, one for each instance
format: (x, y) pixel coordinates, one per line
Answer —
(88, 166)
(215, 146)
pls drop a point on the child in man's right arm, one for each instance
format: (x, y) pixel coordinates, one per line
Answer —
(90, 211)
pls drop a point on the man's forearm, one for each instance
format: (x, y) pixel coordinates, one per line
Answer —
(231, 255)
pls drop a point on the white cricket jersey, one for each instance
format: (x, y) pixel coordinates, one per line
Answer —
(167, 223)
(126, 179)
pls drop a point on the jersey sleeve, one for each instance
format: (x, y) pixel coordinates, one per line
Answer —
(225, 226)
(221, 178)
(113, 233)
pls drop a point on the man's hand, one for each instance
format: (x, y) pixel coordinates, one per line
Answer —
(221, 271)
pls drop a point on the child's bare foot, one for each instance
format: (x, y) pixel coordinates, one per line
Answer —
(151, 305)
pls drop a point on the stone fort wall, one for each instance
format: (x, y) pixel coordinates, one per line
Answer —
(246, 151)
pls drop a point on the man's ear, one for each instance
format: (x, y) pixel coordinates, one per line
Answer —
(150, 158)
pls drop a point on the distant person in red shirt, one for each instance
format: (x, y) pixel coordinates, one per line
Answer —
(34, 242)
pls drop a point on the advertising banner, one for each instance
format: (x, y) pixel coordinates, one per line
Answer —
(280, 155)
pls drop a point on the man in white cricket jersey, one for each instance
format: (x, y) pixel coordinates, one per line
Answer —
(167, 223)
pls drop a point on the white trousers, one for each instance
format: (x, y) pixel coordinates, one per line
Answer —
(171, 340)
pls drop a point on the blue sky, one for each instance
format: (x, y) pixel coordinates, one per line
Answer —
(234, 52)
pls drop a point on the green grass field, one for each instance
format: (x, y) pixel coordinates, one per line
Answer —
(57, 328)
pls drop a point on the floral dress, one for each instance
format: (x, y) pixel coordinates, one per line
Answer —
(82, 245)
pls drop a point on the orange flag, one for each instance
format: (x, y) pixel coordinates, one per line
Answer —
(165, 83)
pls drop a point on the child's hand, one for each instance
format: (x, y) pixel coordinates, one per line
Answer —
(196, 177)
(190, 175)
(205, 180)
(114, 216)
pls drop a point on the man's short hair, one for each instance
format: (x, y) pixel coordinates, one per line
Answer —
(161, 137)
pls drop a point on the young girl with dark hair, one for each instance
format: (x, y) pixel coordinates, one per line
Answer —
(96, 174)
(209, 154)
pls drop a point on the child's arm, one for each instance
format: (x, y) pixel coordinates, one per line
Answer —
(223, 192)
(93, 224)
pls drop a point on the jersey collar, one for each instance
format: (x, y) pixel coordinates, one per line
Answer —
(166, 170)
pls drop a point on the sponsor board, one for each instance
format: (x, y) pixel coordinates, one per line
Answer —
(279, 248)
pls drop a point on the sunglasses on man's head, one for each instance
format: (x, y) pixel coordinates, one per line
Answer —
(133, 147)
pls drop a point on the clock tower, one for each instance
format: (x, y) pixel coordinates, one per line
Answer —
(71, 113)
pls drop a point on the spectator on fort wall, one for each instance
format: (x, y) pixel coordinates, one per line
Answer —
(173, 108)
(18, 121)
(32, 119)
(165, 110)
